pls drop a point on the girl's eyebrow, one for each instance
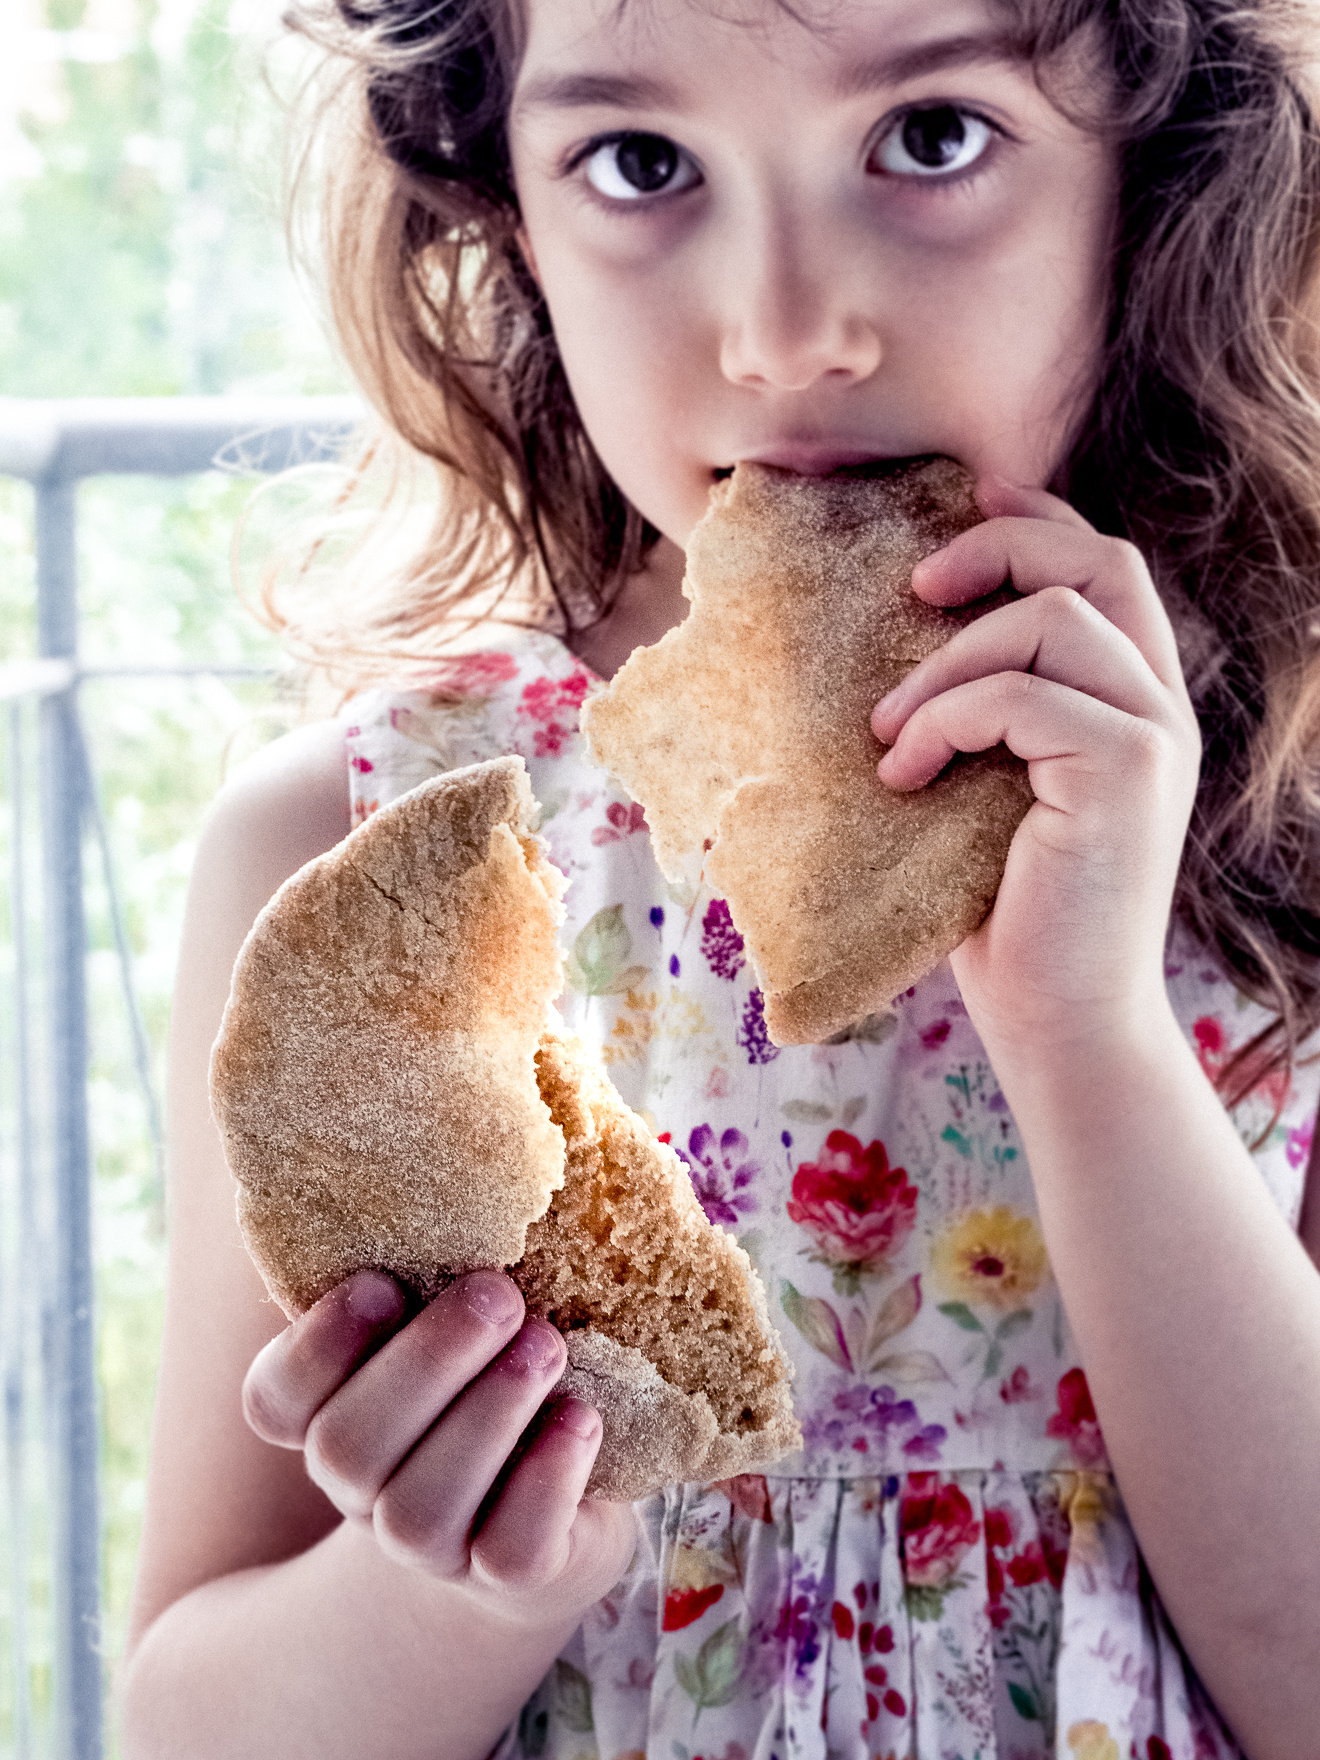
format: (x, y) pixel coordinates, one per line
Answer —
(576, 91)
(932, 57)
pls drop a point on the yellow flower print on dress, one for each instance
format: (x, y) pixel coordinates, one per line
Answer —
(994, 1256)
(1092, 1741)
(678, 1018)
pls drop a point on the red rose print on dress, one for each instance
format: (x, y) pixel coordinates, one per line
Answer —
(1235, 1082)
(748, 1493)
(938, 1530)
(1075, 1422)
(554, 703)
(1035, 1561)
(1016, 1388)
(857, 1209)
(620, 822)
(683, 1607)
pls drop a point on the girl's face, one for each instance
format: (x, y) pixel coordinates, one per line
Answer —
(864, 236)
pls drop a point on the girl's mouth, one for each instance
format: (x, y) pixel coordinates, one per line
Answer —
(808, 459)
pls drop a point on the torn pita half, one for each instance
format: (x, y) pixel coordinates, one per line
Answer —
(745, 734)
(391, 1094)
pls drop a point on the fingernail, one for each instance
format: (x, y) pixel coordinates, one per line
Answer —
(373, 1297)
(491, 1297)
(536, 1346)
(577, 1417)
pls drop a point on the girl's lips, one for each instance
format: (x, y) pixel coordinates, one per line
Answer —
(809, 458)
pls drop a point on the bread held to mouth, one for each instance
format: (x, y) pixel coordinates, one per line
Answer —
(745, 734)
(391, 1095)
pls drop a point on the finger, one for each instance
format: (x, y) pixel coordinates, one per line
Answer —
(1035, 718)
(294, 1375)
(1034, 554)
(998, 498)
(359, 1436)
(526, 1539)
(426, 1511)
(1054, 635)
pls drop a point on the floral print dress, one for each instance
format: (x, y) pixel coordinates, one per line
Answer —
(945, 1570)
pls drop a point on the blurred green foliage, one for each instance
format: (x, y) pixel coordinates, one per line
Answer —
(145, 255)
(142, 252)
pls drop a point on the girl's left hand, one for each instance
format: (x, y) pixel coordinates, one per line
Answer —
(1080, 678)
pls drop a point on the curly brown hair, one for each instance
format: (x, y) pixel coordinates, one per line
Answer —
(1202, 444)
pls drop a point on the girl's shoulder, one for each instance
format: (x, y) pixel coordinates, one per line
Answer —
(284, 805)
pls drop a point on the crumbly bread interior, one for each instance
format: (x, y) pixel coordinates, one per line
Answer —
(745, 734)
(625, 1250)
(373, 1079)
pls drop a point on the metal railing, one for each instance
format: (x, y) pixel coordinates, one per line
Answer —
(53, 446)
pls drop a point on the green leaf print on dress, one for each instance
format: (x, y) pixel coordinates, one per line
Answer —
(818, 1323)
(573, 1698)
(711, 1677)
(596, 965)
(855, 1340)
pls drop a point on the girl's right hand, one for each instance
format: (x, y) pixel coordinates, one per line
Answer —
(427, 1430)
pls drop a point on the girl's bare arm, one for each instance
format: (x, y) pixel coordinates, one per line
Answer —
(1198, 1316)
(263, 1620)
(1196, 1308)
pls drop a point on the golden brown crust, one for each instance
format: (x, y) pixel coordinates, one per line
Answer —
(745, 734)
(373, 1079)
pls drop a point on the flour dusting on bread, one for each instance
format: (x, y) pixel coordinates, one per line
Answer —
(374, 1078)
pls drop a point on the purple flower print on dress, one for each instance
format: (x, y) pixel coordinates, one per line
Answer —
(752, 1035)
(720, 1175)
(925, 1445)
(802, 1614)
(866, 1418)
(721, 944)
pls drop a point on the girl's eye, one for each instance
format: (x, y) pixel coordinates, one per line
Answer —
(634, 165)
(933, 143)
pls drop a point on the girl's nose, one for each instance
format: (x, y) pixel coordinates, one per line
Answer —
(793, 319)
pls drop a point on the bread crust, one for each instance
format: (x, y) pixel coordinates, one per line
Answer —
(745, 733)
(390, 1097)
(374, 1077)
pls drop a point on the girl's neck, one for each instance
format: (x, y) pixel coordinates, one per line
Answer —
(649, 603)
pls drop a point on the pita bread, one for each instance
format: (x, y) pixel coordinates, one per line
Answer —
(744, 732)
(391, 1094)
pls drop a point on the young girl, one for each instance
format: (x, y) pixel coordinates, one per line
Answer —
(1032, 1241)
